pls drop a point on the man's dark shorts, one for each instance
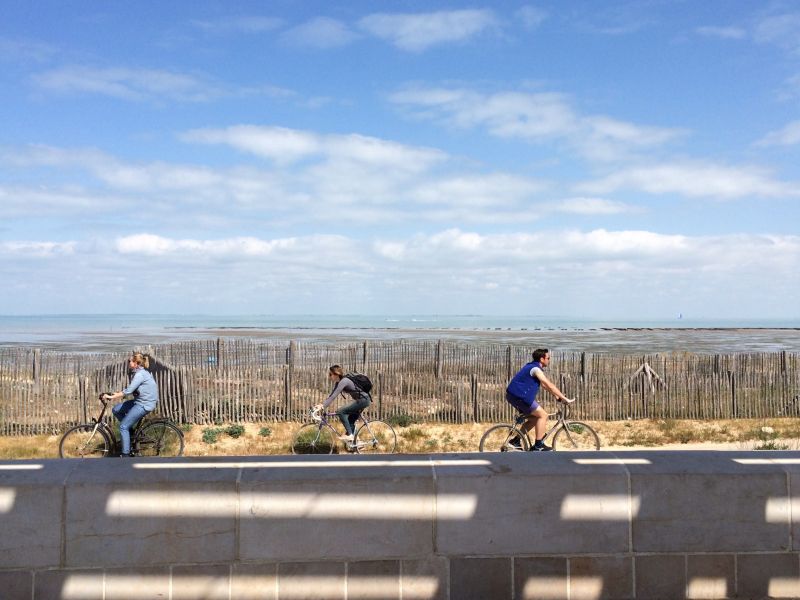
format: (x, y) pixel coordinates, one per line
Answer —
(521, 405)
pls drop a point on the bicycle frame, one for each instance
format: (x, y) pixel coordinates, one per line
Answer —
(561, 414)
(323, 422)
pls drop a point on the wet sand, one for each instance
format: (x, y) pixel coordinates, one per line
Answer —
(638, 340)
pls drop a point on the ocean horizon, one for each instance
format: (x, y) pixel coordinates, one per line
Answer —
(114, 332)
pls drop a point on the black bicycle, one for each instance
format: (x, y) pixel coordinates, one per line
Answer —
(156, 436)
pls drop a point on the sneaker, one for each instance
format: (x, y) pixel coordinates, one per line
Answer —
(121, 455)
(540, 447)
(346, 438)
(515, 444)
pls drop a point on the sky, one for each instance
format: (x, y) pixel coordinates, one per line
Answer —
(614, 160)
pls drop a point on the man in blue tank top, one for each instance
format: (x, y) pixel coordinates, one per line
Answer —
(521, 394)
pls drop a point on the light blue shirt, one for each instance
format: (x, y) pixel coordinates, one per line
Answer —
(146, 388)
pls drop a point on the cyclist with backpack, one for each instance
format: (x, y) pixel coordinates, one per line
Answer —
(348, 384)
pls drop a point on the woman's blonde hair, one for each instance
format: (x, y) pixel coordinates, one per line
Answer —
(140, 359)
(337, 370)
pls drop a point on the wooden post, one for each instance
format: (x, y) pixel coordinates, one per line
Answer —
(289, 378)
(509, 366)
(438, 367)
(583, 366)
(37, 368)
(734, 408)
(364, 357)
(220, 352)
(474, 391)
(380, 395)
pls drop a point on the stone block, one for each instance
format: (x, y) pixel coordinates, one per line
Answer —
(144, 512)
(532, 503)
(768, 575)
(144, 583)
(336, 507)
(16, 585)
(680, 504)
(201, 582)
(480, 578)
(710, 576)
(660, 576)
(600, 577)
(31, 498)
(254, 581)
(368, 580)
(68, 585)
(311, 581)
(425, 579)
(541, 577)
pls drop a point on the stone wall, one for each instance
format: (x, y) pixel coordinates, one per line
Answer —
(557, 525)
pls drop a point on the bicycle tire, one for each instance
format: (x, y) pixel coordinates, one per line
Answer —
(375, 437)
(159, 438)
(498, 439)
(313, 439)
(82, 441)
(576, 436)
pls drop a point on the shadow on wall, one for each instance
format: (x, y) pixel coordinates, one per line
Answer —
(558, 525)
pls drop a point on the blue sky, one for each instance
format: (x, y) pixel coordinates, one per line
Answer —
(588, 159)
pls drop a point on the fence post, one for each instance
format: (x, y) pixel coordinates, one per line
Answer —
(37, 368)
(438, 366)
(474, 390)
(220, 352)
(380, 395)
(734, 408)
(509, 372)
(583, 365)
(290, 356)
(364, 357)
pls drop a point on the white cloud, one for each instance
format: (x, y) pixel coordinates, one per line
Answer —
(531, 16)
(128, 84)
(420, 31)
(592, 206)
(726, 33)
(22, 50)
(787, 136)
(694, 179)
(449, 270)
(534, 117)
(782, 30)
(320, 32)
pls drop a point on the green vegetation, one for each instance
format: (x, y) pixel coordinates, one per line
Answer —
(235, 430)
(265, 432)
(211, 435)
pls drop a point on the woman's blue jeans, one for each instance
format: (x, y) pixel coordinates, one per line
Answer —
(349, 414)
(128, 414)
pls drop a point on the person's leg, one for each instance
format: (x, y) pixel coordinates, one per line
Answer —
(128, 422)
(349, 414)
(540, 425)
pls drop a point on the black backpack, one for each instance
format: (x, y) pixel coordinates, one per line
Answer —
(361, 381)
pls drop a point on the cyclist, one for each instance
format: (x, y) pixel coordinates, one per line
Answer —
(521, 394)
(145, 391)
(349, 414)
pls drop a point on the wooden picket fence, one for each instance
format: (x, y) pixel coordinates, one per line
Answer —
(237, 380)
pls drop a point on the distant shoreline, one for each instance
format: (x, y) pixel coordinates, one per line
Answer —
(620, 340)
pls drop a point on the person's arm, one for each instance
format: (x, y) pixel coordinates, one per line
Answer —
(137, 380)
(340, 387)
(549, 385)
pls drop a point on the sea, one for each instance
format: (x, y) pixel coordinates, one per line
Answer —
(124, 332)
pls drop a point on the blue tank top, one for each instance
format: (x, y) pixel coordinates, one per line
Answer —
(523, 385)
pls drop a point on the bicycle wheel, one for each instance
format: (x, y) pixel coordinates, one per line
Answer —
(159, 438)
(576, 436)
(375, 437)
(502, 438)
(83, 441)
(313, 439)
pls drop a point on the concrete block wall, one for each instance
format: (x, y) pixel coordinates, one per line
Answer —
(451, 527)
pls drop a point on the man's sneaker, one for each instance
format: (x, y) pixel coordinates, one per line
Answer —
(540, 447)
(515, 444)
(346, 438)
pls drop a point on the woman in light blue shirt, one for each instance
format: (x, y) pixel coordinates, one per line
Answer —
(145, 391)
